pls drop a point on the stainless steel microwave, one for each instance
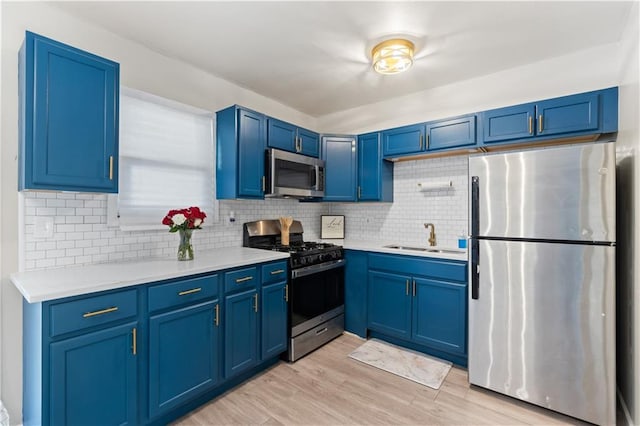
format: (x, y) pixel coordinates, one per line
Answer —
(293, 175)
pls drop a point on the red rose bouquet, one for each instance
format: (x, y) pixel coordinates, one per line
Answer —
(184, 219)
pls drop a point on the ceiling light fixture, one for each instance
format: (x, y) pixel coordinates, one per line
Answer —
(392, 56)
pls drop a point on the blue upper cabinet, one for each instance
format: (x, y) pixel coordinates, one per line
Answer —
(68, 118)
(515, 122)
(375, 176)
(339, 155)
(451, 133)
(241, 140)
(568, 114)
(584, 114)
(309, 142)
(404, 140)
(288, 137)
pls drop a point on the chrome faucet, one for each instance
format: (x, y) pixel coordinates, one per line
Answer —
(432, 234)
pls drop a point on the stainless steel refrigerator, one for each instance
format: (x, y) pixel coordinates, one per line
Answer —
(542, 274)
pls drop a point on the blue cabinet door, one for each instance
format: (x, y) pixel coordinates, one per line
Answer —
(375, 176)
(241, 332)
(274, 319)
(183, 355)
(355, 292)
(568, 114)
(282, 135)
(309, 143)
(389, 303)
(251, 151)
(339, 155)
(451, 133)
(439, 314)
(94, 378)
(403, 140)
(503, 124)
(69, 118)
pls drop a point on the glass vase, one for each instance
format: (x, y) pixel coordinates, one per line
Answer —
(185, 249)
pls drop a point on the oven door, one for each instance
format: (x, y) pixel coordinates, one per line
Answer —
(316, 295)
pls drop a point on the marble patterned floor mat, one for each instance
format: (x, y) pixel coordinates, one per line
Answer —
(402, 362)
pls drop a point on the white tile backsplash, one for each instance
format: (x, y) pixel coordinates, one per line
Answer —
(403, 220)
(81, 235)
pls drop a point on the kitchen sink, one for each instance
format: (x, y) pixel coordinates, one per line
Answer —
(424, 249)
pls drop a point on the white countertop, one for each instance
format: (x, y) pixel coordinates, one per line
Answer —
(43, 285)
(379, 247)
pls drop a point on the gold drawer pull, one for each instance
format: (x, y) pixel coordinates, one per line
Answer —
(104, 311)
(241, 280)
(193, 290)
(277, 271)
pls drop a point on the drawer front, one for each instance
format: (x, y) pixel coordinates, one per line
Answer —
(274, 272)
(241, 279)
(164, 296)
(91, 311)
(444, 269)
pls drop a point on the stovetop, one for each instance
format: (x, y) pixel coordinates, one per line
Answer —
(265, 234)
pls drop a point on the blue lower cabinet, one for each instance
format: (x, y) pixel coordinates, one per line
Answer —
(439, 315)
(417, 302)
(94, 378)
(274, 319)
(389, 304)
(355, 292)
(241, 332)
(183, 355)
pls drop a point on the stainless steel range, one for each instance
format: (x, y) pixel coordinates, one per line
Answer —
(316, 284)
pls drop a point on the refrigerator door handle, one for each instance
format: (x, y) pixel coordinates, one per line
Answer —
(475, 245)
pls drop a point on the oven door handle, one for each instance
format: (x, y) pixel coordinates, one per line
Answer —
(314, 269)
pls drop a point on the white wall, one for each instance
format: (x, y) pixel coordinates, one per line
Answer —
(140, 69)
(628, 271)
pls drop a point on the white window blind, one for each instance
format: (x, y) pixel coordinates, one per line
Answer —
(166, 160)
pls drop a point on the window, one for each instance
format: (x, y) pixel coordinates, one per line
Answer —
(167, 160)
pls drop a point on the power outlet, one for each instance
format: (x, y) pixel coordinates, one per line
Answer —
(43, 227)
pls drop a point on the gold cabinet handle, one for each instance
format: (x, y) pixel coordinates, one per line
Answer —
(111, 167)
(217, 318)
(264, 183)
(286, 293)
(414, 288)
(241, 280)
(300, 142)
(255, 302)
(104, 311)
(421, 141)
(134, 341)
(277, 271)
(407, 288)
(193, 290)
(530, 125)
(540, 123)
(359, 192)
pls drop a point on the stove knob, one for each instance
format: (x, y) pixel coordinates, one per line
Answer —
(322, 257)
(302, 261)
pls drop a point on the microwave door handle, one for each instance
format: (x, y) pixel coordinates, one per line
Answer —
(317, 182)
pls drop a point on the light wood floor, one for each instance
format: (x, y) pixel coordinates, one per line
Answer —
(328, 388)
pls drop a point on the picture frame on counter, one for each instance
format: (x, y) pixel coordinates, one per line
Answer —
(332, 227)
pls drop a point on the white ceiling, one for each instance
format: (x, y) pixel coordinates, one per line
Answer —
(314, 56)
